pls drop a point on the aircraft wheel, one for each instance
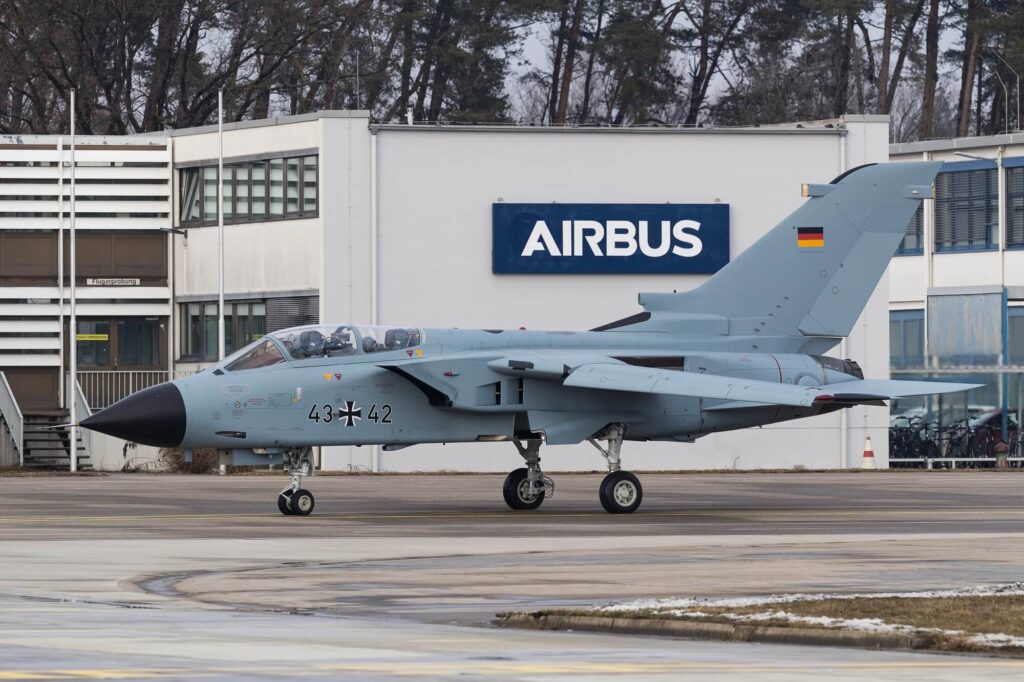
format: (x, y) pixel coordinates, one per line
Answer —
(301, 502)
(516, 491)
(621, 493)
(282, 504)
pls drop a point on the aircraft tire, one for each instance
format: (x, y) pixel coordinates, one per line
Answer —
(621, 493)
(510, 491)
(301, 502)
(282, 505)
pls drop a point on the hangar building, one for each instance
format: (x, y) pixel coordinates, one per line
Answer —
(331, 218)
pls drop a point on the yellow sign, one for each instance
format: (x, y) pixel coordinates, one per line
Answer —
(92, 337)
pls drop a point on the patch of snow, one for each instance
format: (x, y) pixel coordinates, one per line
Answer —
(690, 607)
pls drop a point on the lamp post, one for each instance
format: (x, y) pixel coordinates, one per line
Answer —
(1017, 126)
(220, 222)
(73, 322)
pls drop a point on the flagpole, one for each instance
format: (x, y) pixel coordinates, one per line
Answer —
(220, 221)
(73, 324)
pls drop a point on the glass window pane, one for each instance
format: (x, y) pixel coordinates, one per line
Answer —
(138, 342)
(259, 320)
(93, 343)
(229, 181)
(913, 342)
(259, 190)
(242, 192)
(1016, 336)
(293, 186)
(276, 187)
(309, 185)
(210, 194)
(210, 345)
(895, 345)
(229, 330)
(190, 184)
(194, 330)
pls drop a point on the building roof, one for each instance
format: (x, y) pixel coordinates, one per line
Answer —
(954, 143)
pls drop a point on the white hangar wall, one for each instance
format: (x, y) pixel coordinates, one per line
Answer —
(433, 195)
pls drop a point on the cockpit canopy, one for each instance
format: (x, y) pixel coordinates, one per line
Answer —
(324, 341)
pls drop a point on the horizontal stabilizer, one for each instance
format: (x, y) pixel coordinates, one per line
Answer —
(670, 382)
(885, 389)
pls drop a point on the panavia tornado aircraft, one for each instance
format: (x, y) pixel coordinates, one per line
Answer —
(745, 348)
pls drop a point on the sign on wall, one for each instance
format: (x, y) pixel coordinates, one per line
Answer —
(609, 238)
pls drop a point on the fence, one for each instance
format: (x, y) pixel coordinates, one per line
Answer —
(103, 388)
(11, 421)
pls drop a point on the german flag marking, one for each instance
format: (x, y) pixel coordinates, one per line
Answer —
(810, 237)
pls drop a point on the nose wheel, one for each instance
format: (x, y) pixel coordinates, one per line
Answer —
(295, 500)
(526, 488)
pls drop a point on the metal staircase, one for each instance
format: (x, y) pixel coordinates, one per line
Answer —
(47, 443)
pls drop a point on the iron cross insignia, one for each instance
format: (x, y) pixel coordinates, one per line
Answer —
(351, 414)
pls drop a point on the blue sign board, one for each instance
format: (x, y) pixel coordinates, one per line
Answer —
(609, 238)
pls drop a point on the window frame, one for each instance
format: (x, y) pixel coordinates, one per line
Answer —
(200, 353)
(901, 360)
(954, 203)
(231, 214)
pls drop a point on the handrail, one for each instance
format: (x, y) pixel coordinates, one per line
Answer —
(12, 415)
(82, 411)
(103, 388)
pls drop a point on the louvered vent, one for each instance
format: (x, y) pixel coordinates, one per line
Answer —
(292, 311)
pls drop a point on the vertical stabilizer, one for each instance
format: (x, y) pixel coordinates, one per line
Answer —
(813, 273)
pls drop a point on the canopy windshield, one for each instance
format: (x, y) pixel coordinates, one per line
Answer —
(343, 339)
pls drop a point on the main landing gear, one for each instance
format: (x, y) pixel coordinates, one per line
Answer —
(295, 500)
(620, 492)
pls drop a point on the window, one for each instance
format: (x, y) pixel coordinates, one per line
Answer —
(191, 179)
(276, 188)
(93, 342)
(210, 195)
(292, 191)
(913, 242)
(294, 194)
(1015, 318)
(244, 322)
(229, 186)
(906, 338)
(138, 342)
(966, 209)
(309, 197)
(1014, 207)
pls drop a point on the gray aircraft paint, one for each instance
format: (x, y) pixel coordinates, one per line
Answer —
(738, 351)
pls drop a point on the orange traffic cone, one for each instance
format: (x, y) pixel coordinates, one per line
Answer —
(868, 462)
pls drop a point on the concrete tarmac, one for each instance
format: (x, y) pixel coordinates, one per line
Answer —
(135, 576)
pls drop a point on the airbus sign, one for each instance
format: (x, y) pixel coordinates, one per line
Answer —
(609, 238)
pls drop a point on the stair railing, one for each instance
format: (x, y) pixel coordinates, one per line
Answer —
(11, 415)
(82, 410)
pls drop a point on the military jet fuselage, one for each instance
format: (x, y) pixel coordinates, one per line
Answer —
(746, 348)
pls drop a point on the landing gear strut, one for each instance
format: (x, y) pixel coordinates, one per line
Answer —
(294, 500)
(620, 491)
(527, 487)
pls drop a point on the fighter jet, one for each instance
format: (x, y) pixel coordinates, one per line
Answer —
(745, 348)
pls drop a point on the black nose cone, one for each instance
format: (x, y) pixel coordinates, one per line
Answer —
(154, 416)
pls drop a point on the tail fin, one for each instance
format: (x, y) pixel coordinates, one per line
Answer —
(813, 273)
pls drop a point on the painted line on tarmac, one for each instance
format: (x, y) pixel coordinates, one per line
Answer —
(992, 514)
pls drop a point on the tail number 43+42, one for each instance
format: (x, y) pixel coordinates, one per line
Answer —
(349, 414)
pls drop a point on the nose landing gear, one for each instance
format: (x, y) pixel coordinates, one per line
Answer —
(295, 500)
(527, 487)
